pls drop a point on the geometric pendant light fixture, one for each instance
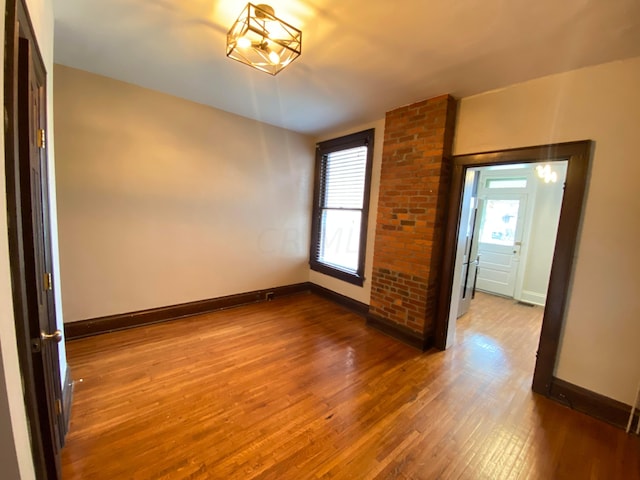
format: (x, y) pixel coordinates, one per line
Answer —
(260, 39)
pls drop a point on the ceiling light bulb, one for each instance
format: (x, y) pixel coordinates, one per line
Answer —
(244, 42)
(274, 58)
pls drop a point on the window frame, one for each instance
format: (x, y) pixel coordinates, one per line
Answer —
(364, 138)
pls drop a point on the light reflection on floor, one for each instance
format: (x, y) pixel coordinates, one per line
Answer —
(488, 344)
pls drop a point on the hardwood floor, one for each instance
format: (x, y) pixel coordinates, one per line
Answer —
(300, 388)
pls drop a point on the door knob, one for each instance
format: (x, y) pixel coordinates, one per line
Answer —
(47, 337)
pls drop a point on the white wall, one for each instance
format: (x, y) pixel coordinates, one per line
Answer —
(363, 293)
(14, 435)
(8, 454)
(599, 349)
(163, 201)
(542, 236)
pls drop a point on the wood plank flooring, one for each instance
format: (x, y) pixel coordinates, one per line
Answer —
(299, 388)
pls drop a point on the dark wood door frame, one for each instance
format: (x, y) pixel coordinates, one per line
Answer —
(18, 28)
(578, 156)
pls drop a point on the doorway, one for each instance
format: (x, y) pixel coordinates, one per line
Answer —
(577, 155)
(517, 212)
(508, 226)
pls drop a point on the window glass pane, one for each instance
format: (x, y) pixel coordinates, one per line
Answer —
(340, 238)
(340, 207)
(499, 222)
(507, 183)
(344, 178)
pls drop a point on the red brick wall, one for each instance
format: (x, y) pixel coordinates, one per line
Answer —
(414, 189)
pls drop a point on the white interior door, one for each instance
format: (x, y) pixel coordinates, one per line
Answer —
(499, 241)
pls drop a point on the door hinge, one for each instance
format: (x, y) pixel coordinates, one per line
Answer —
(58, 406)
(42, 138)
(48, 282)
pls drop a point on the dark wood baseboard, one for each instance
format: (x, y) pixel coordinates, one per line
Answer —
(347, 302)
(111, 323)
(399, 332)
(603, 408)
(67, 401)
(95, 326)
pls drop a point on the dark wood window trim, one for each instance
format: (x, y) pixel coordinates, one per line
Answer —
(578, 157)
(364, 138)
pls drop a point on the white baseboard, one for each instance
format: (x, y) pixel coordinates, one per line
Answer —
(533, 297)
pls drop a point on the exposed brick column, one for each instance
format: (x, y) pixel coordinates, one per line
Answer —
(414, 188)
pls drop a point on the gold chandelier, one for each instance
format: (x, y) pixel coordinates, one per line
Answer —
(260, 39)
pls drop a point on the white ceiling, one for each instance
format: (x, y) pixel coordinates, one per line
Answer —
(359, 58)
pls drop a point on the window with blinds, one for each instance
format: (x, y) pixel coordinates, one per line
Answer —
(341, 205)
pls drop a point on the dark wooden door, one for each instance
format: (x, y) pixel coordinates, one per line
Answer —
(36, 230)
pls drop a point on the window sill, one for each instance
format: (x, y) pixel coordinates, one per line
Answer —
(353, 278)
